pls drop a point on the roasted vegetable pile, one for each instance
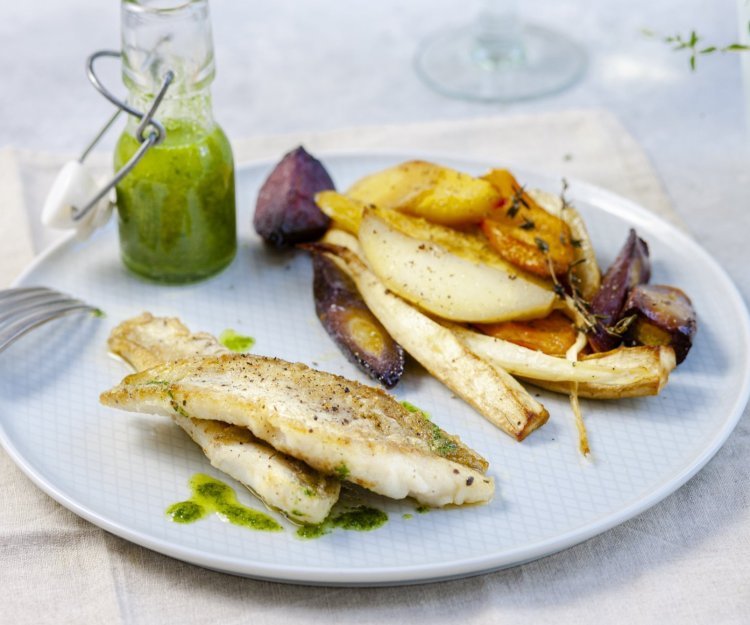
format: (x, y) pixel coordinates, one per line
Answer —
(481, 281)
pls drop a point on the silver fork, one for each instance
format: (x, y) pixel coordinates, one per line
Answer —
(23, 309)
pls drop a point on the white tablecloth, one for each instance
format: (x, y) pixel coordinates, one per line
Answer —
(296, 67)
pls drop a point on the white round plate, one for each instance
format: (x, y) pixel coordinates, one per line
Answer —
(121, 470)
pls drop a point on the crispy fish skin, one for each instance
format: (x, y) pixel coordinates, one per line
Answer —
(335, 425)
(146, 341)
(285, 484)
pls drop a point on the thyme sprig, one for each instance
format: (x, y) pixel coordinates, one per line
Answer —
(587, 320)
(563, 197)
(693, 44)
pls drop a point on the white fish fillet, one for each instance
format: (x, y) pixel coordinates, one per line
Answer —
(282, 482)
(335, 425)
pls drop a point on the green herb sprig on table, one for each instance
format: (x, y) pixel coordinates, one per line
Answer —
(693, 44)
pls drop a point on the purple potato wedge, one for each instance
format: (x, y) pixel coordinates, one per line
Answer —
(349, 322)
(631, 268)
(285, 212)
(664, 315)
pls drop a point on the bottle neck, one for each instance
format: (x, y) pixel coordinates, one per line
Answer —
(159, 36)
(193, 105)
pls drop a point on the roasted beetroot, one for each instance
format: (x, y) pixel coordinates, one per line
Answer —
(285, 212)
(349, 322)
(664, 315)
(631, 268)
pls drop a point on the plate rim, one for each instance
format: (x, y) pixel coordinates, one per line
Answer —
(617, 205)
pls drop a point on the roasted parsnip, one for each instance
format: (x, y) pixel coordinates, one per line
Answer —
(623, 372)
(495, 394)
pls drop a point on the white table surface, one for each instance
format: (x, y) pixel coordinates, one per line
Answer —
(287, 66)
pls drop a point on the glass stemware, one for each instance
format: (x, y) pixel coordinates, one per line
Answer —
(499, 58)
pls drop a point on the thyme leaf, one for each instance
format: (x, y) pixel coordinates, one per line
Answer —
(541, 244)
(517, 201)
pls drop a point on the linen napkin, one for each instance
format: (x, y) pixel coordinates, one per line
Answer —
(16, 247)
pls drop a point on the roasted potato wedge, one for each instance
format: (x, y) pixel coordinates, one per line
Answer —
(439, 194)
(443, 283)
(344, 211)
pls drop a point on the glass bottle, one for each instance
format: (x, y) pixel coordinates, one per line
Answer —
(176, 209)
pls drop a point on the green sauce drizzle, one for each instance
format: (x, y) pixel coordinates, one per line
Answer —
(211, 495)
(342, 471)
(358, 519)
(440, 443)
(313, 531)
(412, 408)
(186, 511)
(236, 342)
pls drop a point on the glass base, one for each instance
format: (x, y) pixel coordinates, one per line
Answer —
(452, 63)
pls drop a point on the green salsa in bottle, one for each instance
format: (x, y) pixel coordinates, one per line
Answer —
(176, 208)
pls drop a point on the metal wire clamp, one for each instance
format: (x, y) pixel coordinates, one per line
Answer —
(73, 201)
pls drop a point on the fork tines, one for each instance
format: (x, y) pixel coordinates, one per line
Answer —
(23, 309)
